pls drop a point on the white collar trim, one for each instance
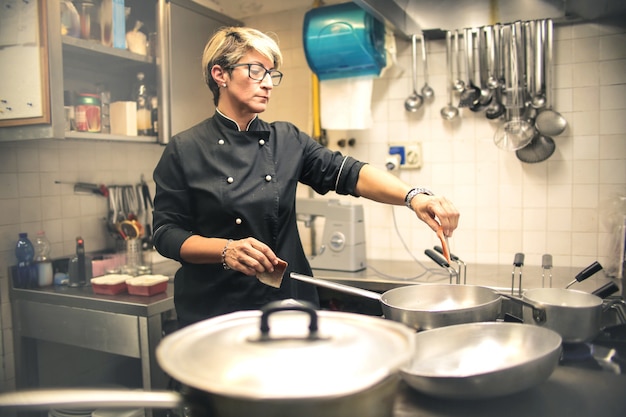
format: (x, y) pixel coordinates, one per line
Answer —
(237, 124)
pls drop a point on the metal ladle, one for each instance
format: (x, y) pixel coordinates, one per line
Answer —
(541, 146)
(471, 92)
(427, 90)
(549, 121)
(449, 112)
(414, 101)
(459, 84)
(516, 132)
(530, 111)
(538, 99)
(486, 94)
(494, 66)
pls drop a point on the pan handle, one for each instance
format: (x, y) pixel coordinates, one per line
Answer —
(442, 262)
(606, 290)
(586, 273)
(72, 398)
(539, 313)
(439, 260)
(335, 286)
(453, 257)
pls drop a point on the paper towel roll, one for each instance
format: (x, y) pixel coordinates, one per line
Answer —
(346, 103)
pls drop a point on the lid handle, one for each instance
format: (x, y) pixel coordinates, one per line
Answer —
(288, 305)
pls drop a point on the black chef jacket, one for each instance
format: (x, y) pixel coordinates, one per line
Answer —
(216, 181)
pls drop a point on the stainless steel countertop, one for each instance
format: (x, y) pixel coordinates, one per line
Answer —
(84, 297)
(381, 275)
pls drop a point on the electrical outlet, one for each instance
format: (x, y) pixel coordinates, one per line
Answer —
(398, 150)
(413, 156)
(410, 154)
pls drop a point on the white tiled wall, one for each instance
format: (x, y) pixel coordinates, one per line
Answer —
(558, 206)
(30, 200)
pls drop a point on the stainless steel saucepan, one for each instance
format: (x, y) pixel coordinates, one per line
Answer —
(285, 360)
(427, 306)
(575, 315)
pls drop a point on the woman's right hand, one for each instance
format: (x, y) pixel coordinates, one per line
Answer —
(250, 256)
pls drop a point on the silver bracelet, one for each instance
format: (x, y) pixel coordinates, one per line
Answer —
(224, 254)
(413, 192)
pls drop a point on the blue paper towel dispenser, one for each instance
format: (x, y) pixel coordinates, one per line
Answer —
(342, 41)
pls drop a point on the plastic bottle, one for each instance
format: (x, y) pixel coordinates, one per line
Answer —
(26, 276)
(143, 106)
(45, 274)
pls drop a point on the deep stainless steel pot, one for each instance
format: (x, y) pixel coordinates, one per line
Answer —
(427, 306)
(286, 360)
(575, 315)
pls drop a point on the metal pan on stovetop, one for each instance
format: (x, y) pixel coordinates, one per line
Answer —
(285, 360)
(575, 315)
(465, 353)
(427, 306)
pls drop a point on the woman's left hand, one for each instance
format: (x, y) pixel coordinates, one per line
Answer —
(250, 256)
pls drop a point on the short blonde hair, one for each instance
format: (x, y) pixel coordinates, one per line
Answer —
(229, 44)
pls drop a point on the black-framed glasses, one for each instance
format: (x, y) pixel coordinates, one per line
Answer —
(257, 72)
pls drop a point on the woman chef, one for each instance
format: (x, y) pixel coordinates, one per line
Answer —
(225, 203)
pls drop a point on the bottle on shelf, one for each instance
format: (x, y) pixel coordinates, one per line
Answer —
(45, 275)
(89, 22)
(70, 19)
(154, 104)
(106, 22)
(26, 275)
(105, 100)
(143, 106)
(79, 269)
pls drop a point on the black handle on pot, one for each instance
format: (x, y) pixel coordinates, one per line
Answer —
(453, 257)
(606, 290)
(586, 273)
(288, 305)
(440, 260)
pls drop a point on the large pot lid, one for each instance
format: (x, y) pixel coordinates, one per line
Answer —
(228, 354)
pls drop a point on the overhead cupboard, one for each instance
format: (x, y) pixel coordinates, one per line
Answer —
(63, 66)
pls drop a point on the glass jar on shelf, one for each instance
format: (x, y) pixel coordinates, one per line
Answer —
(87, 113)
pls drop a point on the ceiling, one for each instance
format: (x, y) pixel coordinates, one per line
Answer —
(429, 14)
(240, 9)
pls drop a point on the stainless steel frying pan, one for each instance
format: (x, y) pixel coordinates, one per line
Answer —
(482, 360)
(427, 306)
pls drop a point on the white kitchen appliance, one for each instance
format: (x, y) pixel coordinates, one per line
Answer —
(342, 247)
